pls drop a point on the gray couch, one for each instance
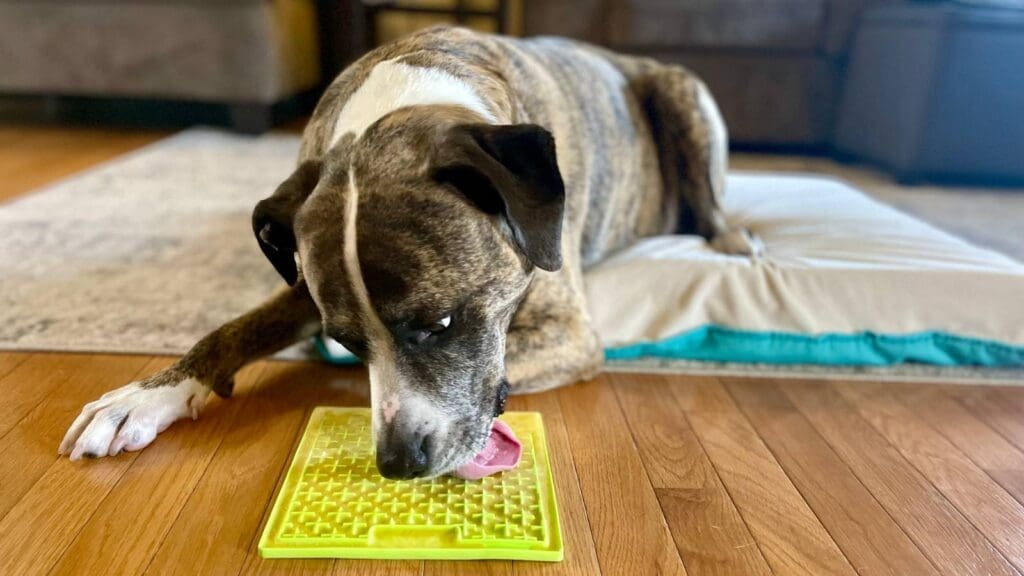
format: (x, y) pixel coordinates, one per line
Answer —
(245, 55)
(935, 92)
(774, 65)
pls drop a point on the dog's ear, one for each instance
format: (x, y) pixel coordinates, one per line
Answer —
(272, 219)
(510, 170)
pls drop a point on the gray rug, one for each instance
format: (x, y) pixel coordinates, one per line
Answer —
(143, 254)
(147, 253)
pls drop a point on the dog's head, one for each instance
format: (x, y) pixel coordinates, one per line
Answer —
(418, 240)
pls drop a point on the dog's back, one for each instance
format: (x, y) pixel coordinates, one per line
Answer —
(605, 149)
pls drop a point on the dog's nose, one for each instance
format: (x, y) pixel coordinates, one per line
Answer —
(403, 456)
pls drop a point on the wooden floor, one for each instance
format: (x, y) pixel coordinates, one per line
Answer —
(33, 156)
(654, 474)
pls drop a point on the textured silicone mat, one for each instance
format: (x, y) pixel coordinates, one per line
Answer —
(334, 503)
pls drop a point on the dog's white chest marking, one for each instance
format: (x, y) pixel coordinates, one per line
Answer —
(392, 85)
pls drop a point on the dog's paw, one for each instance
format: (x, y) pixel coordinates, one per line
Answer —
(739, 242)
(130, 417)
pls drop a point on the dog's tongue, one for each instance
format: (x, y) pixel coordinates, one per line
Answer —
(501, 453)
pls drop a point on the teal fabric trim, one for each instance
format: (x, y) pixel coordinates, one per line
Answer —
(720, 344)
(338, 360)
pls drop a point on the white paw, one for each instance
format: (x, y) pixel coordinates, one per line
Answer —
(130, 417)
(739, 242)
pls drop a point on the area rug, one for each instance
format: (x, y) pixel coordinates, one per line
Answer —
(147, 253)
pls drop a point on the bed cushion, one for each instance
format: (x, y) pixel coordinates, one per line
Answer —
(844, 280)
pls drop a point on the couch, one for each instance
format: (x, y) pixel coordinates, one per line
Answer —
(775, 66)
(248, 57)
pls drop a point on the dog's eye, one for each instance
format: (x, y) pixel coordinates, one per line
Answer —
(427, 332)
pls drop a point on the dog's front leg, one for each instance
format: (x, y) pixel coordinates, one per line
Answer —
(130, 417)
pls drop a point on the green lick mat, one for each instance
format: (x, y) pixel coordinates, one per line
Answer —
(334, 503)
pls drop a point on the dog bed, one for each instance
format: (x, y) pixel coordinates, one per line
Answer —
(843, 280)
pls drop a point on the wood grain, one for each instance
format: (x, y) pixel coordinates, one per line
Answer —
(217, 527)
(864, 531)
(641, 482)
(9, 361)
(948, 539)
(32, 156)
(709, 532)
(994, 512)
(580, 554)
(152, 492)
(1000, 408)
(630, 531)
(1000, 459)
(790, 536)
(256, 565)
(468, 568)
(46, 518)
(29, 448)
(31, 382)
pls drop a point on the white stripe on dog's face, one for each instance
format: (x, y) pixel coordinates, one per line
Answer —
(390, 397)
(392, 85)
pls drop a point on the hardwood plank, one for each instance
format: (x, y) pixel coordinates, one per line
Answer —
(864, 531)
(9, 361)
(256, 565)
(1000, 459)
(217, 530)
(580, 554)
(979, 498)
(30, 447)
(152, 492)
(468, 568)
(708, 530)
(948, 539)
(790, 536)
(33, 156)
(630, 531)
(1002, 409)
(30, 383)
(46, 519)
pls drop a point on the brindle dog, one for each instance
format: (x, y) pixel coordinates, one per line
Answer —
(452, 188)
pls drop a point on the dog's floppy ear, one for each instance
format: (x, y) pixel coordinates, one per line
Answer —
(272, 219)
(510, 170)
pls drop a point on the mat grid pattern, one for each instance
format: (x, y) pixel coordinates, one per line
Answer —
(335, 503)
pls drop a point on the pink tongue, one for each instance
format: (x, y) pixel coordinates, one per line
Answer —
(501, 453)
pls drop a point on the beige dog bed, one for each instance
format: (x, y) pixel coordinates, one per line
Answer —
(844, 280)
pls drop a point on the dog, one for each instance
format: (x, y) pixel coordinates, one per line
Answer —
(452, 187)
